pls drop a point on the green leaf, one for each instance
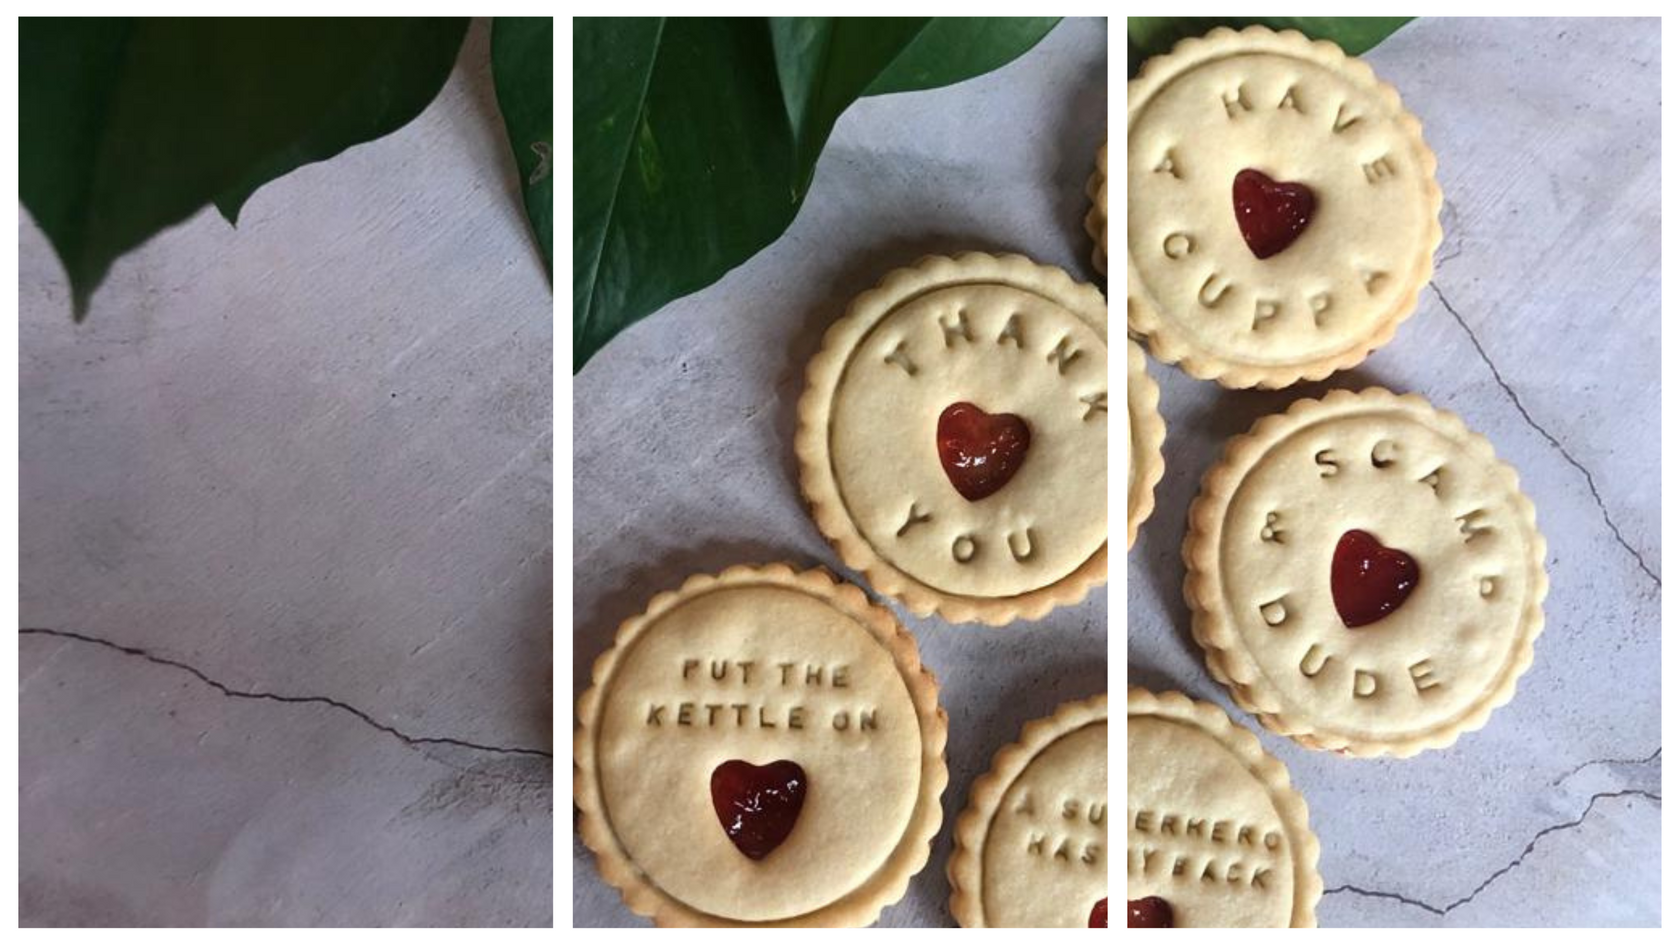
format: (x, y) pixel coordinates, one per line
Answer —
(522, 58)
(695, 139)
(128, 126)
(1154, 35)
(404, 63)
(951, 49)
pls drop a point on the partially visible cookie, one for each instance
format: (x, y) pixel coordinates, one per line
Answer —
(1031, 849)
(1146, 431)
(1282, 211)
(1215, 835)
(1096, 220)
(953, 437)
(1365, 575)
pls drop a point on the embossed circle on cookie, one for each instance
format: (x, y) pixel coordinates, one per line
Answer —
(1167, 853)
(1386, 474)
(1334, 194)
(1215, 835)
(1365, 574)
(1280, 115)
(975, 370)
(1052, 821)
(760, 746)
(1031, 847)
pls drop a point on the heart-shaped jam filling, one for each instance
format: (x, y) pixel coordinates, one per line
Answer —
(980, 451)
(1369, 580)
(1151, 913)
(1271, 215)
(1099, 914)
(758, 804)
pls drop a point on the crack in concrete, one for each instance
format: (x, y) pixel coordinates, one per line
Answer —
(1607, 762)
(1592, 483)
(413, 741)
(1443, 911)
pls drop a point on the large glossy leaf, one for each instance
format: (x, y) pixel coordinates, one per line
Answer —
(1153, 35)
(694, 140)
(522, 57)
(953, 48)
(404, 64)
(127, 126)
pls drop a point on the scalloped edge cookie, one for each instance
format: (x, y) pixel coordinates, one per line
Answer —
(1217, 637)
(1170, 346)
(858, 907)
(1291, 807)
(1143, 400)
(816, 475)
(1096, 220)
(963, 869)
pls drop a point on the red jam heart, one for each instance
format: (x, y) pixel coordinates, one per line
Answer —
(758, 804)
(1099, 915)
(1368, 580)
(1151, 913)
(1271, 215)
(980, 451)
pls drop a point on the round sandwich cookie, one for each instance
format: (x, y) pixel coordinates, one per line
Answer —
(762, 747)
(1031, 849)
(1365, 575)
(1215, 835)
(953, 437)
(1282, 212)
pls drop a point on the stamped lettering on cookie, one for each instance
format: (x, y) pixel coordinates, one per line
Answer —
(750, 693)
(1066, 830)
(1203, 847)
(734, 722)
(1282, 207)
(981, 451)
(1032, 847)
(1363, 497)
(1371, 566)
(969, 438)
(1215, 836)
(953, 437)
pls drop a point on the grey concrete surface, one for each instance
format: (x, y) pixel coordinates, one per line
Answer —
(1542, 330)
(684, 424)
(286, 505)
